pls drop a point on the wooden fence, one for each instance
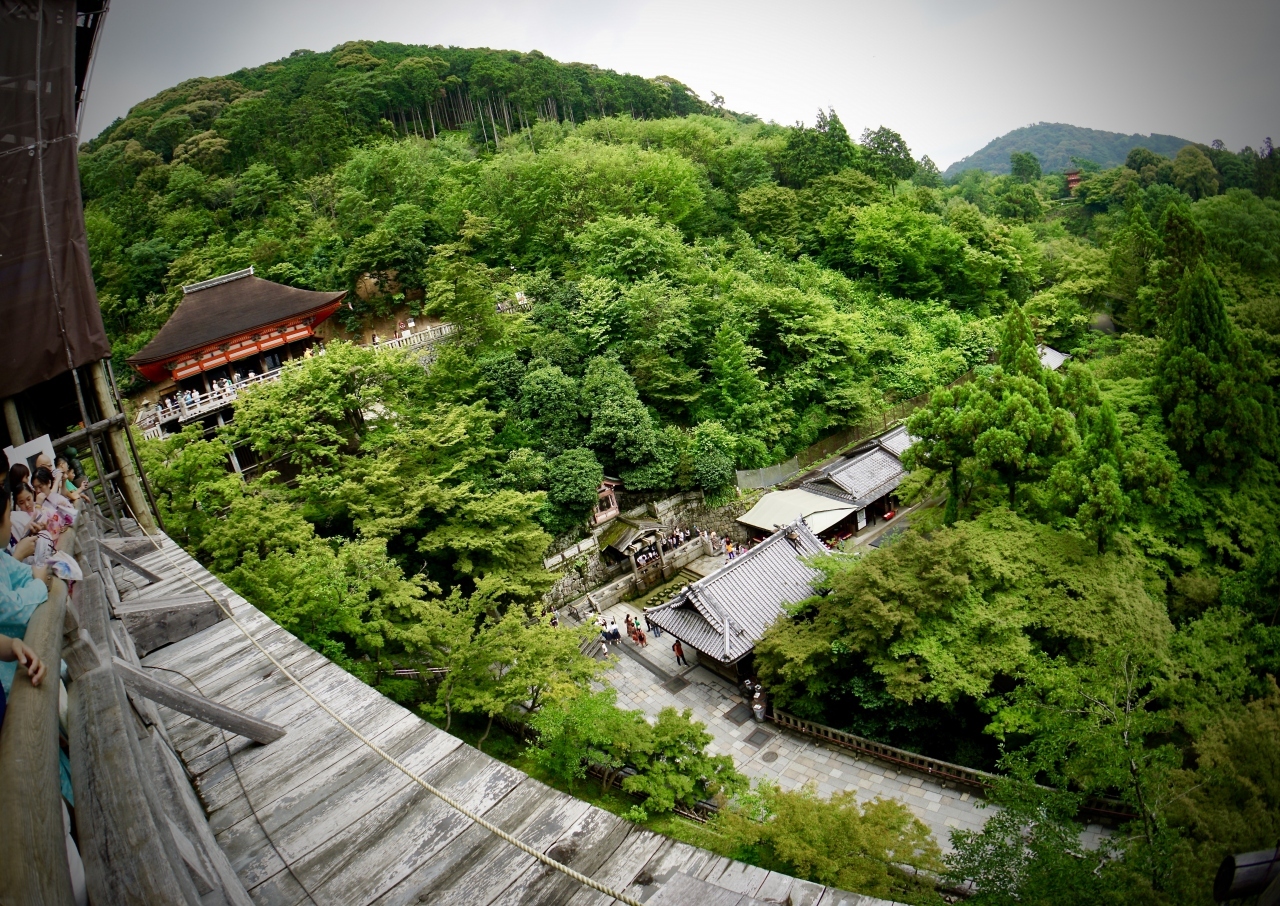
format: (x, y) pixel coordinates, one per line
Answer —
(841, 440)
(141, 833)
(1101, 809)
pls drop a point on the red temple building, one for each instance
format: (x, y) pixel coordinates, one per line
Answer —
(236, 318)
(236, 328)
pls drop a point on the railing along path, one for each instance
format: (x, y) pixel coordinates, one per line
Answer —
(982, 780)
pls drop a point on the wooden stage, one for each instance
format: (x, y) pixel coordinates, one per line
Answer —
(318, 817)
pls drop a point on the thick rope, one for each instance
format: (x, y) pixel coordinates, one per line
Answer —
(439, 794)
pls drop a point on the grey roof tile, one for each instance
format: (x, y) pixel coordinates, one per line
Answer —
(861, 479)
(897, 441)
(726, 613)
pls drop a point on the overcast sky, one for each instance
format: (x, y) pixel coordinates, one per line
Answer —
(950, 75)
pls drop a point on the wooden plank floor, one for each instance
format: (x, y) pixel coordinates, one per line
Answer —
(318, 817)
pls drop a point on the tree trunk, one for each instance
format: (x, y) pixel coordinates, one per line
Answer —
(488, 727)
(952, 512)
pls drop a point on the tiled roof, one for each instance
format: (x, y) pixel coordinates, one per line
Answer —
(1050, 358)
(627, 530)
(726, 613)
(864, 478)
(897, 441)
(226, 307)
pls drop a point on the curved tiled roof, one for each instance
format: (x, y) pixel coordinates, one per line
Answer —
(226, 307)
(726, 613)
(862, 479)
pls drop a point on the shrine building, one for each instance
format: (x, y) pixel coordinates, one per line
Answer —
(233, 323)
(226, 333)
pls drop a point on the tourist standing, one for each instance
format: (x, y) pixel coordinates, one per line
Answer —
(679, 650)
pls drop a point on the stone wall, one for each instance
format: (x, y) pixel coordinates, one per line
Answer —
(580, 578)
(722, 520)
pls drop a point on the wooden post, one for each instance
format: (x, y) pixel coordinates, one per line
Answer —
(129, 483)
(125, 857)
(12, 421)
(33, 861)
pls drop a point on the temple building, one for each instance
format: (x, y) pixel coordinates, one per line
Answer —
(844, 497)
(236, 328)
(1050, 358)
(723, 615)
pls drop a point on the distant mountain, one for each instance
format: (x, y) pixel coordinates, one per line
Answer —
(1056, 143)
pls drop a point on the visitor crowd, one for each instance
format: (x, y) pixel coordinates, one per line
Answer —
(24, 586)
(41, 505)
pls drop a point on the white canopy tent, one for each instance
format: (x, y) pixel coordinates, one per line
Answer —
(785, 507)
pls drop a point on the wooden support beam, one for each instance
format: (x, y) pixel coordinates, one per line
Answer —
(197, 706)
(33, 861)
(189, 821)
(112, 554)
(154, 623)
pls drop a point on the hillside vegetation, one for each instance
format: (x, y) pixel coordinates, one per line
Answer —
(1057, 144)
(1094, 608)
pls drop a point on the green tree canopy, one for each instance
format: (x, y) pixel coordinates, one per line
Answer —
(1024, 166)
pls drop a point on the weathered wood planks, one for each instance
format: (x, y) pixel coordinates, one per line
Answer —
(318, 816)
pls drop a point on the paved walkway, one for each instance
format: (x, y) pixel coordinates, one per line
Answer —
(649, 680)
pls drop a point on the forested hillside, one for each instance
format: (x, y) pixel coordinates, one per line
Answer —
(1057, 144)
(1094, 607)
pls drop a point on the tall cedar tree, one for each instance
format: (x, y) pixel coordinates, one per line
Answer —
(1219, 412)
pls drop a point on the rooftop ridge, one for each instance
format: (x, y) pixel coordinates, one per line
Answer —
(215, 281)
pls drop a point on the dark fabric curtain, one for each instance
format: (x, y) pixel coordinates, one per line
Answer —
(49, 315)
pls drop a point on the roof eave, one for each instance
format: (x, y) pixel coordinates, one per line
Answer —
(141, 358)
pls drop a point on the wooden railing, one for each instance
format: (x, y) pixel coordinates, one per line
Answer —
(1097, 808)
(141, 835)
(925, 765)
(425, 337)
(201, 404)
(149, 420)
(33, 862)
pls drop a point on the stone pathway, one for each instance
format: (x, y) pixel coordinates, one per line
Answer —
(649, 680)
(767, 751)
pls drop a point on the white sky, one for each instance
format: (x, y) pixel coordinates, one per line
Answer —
(950, 75)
